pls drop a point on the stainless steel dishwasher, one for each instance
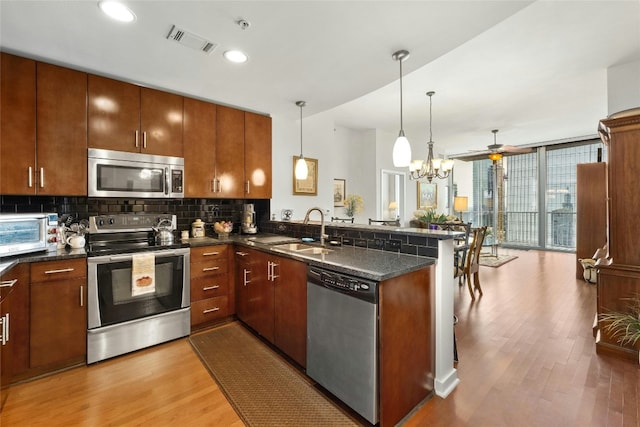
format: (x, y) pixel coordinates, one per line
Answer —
(342, 338)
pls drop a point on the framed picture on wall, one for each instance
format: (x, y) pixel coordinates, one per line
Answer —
(308, 186)
(427, 195)
(339, 191)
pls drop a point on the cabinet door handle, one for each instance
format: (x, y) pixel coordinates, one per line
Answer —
(241, 253)
(269, 271)
(211, 268)
(210, 253)
(41, 177)
(30, 177)
(209, 288)
(8, 283)
(218, 185)
(63, 270)
(248, 187)
(274, 276)
(137, 143)
(5, 329)
(213, 185)
(210, 310)
(245, 280)
(144, 139)
(81, 296)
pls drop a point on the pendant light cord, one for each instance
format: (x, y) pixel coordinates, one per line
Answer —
(401, 127)
(301, 104)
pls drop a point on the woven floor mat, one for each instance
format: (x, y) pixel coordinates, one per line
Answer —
(262, 388)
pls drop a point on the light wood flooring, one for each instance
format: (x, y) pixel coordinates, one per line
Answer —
(526, 350)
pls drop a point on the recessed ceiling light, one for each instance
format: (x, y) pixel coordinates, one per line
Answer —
(117, 11)
(235, 56)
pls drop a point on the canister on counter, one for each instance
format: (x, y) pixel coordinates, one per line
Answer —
(197, 228)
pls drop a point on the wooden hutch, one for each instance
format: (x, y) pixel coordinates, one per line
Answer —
(620, 277)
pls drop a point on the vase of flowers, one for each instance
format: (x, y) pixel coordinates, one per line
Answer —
(353, 204)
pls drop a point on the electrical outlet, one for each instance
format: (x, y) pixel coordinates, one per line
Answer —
(394, 245)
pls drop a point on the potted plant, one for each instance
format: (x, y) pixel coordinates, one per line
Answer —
(625, 325)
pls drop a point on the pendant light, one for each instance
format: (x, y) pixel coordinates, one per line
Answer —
(432, 167)
(401, 148)
(301, 164)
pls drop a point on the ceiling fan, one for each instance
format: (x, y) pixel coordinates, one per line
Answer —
(496, 150)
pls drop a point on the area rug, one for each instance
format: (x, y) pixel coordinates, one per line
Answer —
(492, 261)
(262, 388)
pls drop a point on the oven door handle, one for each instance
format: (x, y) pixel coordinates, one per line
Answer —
(129, 257)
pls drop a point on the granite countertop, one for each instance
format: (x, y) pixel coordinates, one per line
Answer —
(370, 264)
(60, 254)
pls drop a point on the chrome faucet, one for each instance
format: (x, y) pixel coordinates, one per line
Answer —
(306, 221)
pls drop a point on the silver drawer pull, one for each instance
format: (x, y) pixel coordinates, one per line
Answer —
(211, 269)
(210, 253)
(209, 288)
(210, 310)
(8, 283)
(242, 253)
(63, 270)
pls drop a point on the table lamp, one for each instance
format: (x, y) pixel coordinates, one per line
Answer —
(460, 203)
(392, 210)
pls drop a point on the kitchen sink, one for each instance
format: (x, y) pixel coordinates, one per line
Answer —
(303, 249)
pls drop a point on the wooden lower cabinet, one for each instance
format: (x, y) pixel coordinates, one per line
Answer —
(272, 299)
(211, 295)
(58, 335)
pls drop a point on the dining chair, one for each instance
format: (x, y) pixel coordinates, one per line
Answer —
(336, 219)
(472, 268)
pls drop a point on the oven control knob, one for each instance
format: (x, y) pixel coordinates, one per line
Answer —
(112, 221)
(101, 222)
(53, 231)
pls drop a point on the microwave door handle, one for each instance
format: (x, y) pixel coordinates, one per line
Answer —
(167, 181)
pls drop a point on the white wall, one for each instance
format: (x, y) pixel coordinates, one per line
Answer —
(341, 153)
(358, 156)
(623, 87)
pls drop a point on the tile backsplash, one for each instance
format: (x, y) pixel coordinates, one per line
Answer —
(186, 210)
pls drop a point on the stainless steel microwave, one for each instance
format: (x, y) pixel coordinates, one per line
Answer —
(28, 232)
(122, 174)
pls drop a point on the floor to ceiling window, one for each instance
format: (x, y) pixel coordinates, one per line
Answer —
(522, 186)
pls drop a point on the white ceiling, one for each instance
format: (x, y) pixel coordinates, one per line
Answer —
(535, 70)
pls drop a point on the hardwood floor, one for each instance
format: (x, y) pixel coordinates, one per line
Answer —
(526, 350)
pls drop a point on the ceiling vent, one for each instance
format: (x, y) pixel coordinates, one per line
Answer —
(191, 40)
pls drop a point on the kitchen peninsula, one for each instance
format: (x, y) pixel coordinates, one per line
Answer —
(436, 244)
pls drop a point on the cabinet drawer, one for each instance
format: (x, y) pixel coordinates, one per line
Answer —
(210, 268)
(209, 287)
(209, 309)
(206, 253)
(58, 270)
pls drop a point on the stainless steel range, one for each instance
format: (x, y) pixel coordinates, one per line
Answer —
(138, 289)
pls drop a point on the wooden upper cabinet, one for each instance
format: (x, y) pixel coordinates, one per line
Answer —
(199, 148)
(257, 156)
(126, 117)
(161, 122)
(18, 125)
(621, 133)
(230, 153)
(114, 115)
(61, 129)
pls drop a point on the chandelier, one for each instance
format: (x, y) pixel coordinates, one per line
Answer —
(430, 168)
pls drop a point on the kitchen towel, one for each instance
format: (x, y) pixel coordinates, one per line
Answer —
(143, 274)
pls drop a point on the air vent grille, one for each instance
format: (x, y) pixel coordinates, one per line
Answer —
(191, 40)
